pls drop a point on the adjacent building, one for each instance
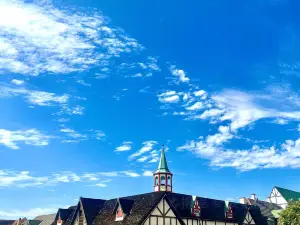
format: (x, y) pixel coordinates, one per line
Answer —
(267, 209)
(46, 219)
(282, 196)
(160, 207)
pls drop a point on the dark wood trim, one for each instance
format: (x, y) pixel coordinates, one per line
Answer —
(168, 217)
(168, 210)
(159, 210)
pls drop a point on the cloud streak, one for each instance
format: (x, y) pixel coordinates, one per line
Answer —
(12, 139)
(45, 39)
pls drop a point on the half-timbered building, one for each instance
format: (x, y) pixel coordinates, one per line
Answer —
(282, 196)
(163, 207)
(267, 209)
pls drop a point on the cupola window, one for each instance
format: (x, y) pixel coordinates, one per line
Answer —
(163, 180)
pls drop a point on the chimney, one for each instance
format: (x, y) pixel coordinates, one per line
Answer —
(253, 196)
(243, 200)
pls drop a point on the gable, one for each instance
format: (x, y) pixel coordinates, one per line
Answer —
(162, 214)
(248, 219)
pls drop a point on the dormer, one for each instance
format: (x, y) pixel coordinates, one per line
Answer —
(59, 221)
(195, 207)
(228, 211)
(122, 208)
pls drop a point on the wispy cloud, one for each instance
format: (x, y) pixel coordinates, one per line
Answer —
(238, 110)
(17, 82)
(169, 97)
(126, 146)
(30, 213)
(25, 179)
(75, 136)
(13, 138)
(43, 38)
(147, 173)
(130, 174)
(39, 98)
(147, 147)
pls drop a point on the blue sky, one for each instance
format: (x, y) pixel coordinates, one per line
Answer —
(90, 90)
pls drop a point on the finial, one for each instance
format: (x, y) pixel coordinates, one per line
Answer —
(163, 147)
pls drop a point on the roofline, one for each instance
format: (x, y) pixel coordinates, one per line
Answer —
(152, 208)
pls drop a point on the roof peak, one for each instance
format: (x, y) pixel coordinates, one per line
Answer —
(163, 165)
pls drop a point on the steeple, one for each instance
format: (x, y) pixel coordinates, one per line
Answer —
(163, 166)
(163, 177)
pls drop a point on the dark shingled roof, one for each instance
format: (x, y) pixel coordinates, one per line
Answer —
(34, 222)
(71, 218)
(266, 208)
(6, 222)
(143, 204)
(126, 205)
(46, 219)
(138, 208)
(91, 208)
(65, 214)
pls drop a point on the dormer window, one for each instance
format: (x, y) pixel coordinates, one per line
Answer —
(59, 221)
(228, 211)
(196, 211)
(119, 214)
(229, 214)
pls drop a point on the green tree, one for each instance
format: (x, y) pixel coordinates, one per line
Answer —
(291, 215)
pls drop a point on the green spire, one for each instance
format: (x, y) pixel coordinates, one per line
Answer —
(163, 166)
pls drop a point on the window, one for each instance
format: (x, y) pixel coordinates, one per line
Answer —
(162, 180)
(229, 213)
(119, 214)
(169, 180)
(196, 211)
(59, 221)
(156, 180)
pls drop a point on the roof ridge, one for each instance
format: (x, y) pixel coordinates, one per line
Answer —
(287, 189)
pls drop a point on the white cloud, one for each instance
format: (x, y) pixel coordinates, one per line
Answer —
(25, 179)
(195, 106)
(82, 82)
(12, 139)
(73, 134)
(143, 159)
(147, 147)
(169, 97)
(43, 38)
(21, 179)
(77, 137)
(100, 185)
(148, 173)
(99, 135)
(209, 146)
(180, 74)
(39, 98)
(126, 146)
(17, 82)
(30, 213)
(200, 93)
(130, 174)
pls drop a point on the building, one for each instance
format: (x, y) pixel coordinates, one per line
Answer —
(6, 222)
(282, 196)
(160, 207)
(46, 219)
(267, 209)
(20, 221)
